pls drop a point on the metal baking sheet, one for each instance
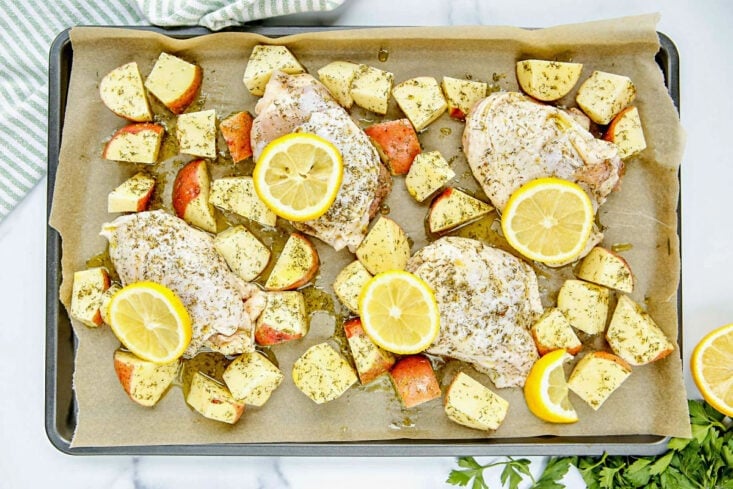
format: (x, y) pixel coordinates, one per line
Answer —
(60, 408)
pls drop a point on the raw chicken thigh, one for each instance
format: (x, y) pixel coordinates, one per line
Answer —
(162, 248)
(488, 300)
(301, 103)
(511, 139)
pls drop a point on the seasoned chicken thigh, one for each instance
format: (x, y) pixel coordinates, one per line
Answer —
(162, 248)
(301, 103)
(488, 300)
(511, 139)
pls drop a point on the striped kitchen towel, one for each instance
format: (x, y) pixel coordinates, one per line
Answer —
(218, 14)
(27, 30)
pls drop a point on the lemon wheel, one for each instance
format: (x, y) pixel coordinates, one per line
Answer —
(150, 321)
(399, 312)
(298, 176)
(548, 220)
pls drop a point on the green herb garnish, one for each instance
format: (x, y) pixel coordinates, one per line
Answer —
(704, 461)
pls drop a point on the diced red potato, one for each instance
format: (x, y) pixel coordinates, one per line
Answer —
(86, 296)
(296, 266)
(371, 361)
(191, 196)
(414, 379)
(174, 82)
(268, 335)
(135, 143)
(144, 382)
(397, 144)
(283, 319)
(236, 131)
(133, 195)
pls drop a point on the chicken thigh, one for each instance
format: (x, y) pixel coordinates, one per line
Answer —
(301, 103)
(488, 300)
(511, 139)
(162, 248)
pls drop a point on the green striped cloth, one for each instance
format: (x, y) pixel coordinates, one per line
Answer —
(27, 30)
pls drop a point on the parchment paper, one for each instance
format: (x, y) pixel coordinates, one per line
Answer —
(641, 215)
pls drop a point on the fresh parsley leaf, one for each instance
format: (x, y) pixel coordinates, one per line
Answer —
(478, 482)
(473, 471)
(728, 484)
(553, 473)
(459, 478)
(639, 472)
(673, 479)
(608, 476)
(468, 463)
(678, 443)
(661, 463)
(514, 472)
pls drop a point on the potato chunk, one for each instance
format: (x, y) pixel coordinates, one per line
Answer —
(428, 173)
(196, 132)
(585, 305)
(552, 331)
(462, 95)
(252, 378)
(370, 360)
(596, 376)
(547, 80)
(144, 382)
(296, 265)
(384, 248)
(414, 380)
(265, 59)
(370, 88)
(604, 267)
(243, 252)
(213, 400)
(337, 77)
(174, 82)
(348, 284)
(283, 319)
(136, 143)
(634, 336)
(627, 133)
(454, 208)
(322, 374)
(470, 403)
(604, 95)
(421, 99)
(132, 195)
(122, 91)
(237, 195)
(86, 295)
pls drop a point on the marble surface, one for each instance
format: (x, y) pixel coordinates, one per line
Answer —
(702, 33)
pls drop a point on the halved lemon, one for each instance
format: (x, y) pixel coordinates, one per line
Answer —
(712, 368)
(548, 220)
(298, 176)
(546, 389)
(399, 312)
(151, 321)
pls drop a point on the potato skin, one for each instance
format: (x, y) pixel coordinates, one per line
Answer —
(414, 380)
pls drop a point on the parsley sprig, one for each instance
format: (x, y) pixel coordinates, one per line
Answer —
(704, 461)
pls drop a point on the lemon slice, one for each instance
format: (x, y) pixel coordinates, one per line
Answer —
(399, 312)
(298, 176)
(546, 390)
(548, 220)
(151, 321)
(712, 368)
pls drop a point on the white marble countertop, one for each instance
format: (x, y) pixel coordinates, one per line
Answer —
(701, 31)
